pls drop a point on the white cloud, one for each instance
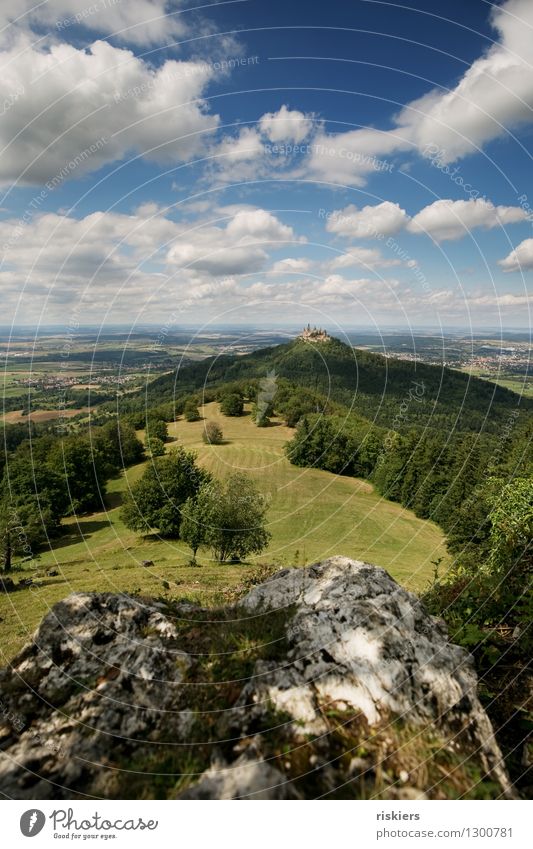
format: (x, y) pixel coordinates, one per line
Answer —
(73, 98)
(258, 224)
(134, 258)
(348, 158)
(507, 300)
(148, 266)
(286, 124)
(365, 257)
(383, 219)
(442, 220)
(246, 157)
(453, 219)
(140, 22)
(493, 96)
(245, 146)
(520, 259)
(291, 265)
(241, 247)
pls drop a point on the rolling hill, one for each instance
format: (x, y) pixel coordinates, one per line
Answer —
(374, 386)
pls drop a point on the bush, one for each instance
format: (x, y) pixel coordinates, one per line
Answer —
(261, 413)
(476, 598)
(212, 434)
(156, 446)
(191, 412)
(156, 429)
(232, 405)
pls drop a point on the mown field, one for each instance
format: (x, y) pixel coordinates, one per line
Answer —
(521, 384)
(312, 514)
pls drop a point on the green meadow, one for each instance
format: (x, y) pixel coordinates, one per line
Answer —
(312, 515)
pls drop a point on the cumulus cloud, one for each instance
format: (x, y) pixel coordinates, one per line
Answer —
(147, 265)
(245, 146)
(73, 98)
(141, 22)
(247, 155)
(239, 247)
(135, 257)
(286, 125)
(453, 219)
(349, 158)
(382, 219)
(365, 257)
(258, 224)
(291, 265)
(493, 96)
(442, 220)
(520, 259)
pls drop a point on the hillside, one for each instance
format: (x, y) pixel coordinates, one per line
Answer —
(311, 513)
(373, 385)
(328, 682)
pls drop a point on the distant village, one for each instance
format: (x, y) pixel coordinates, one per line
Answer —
(53, 381)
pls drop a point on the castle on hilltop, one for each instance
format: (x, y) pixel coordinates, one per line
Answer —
(315, 334)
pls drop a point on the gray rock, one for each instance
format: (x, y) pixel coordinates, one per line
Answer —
(361, 642)
(361, 700)
(103, 670)
(244, 779)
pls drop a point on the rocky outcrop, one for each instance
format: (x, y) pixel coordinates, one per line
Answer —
(330, 681)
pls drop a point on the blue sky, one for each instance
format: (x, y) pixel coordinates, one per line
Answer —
(266, 163)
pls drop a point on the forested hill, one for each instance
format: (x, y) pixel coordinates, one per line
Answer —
(391, 392)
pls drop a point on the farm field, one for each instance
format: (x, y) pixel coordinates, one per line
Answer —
(521, 384)
(18, 417)
(312, 515)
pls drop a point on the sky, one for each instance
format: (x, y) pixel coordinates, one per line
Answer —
(266, 164)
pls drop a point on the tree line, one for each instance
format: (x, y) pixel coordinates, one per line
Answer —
(48, 477)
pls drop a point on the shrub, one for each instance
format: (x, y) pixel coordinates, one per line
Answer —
(232, 405)
(212, 434)
(191, 412)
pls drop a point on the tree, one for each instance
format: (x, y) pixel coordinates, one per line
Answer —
(190, 411)
(23, 527)
(156, 429)
(212, 434)
(233, 516)
(33, 502)
(84, 470)
(34, 499)
(155, 446)
(118, 445)
(157, 498)
(195, 514)
(511, 532)
(232, 404)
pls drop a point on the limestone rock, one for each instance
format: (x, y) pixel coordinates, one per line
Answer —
(244, 779)
(363, 696)
(102, 671)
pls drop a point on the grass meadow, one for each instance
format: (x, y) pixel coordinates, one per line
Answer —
(312, 515)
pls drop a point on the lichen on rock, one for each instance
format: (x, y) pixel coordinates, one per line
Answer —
(330, 681)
